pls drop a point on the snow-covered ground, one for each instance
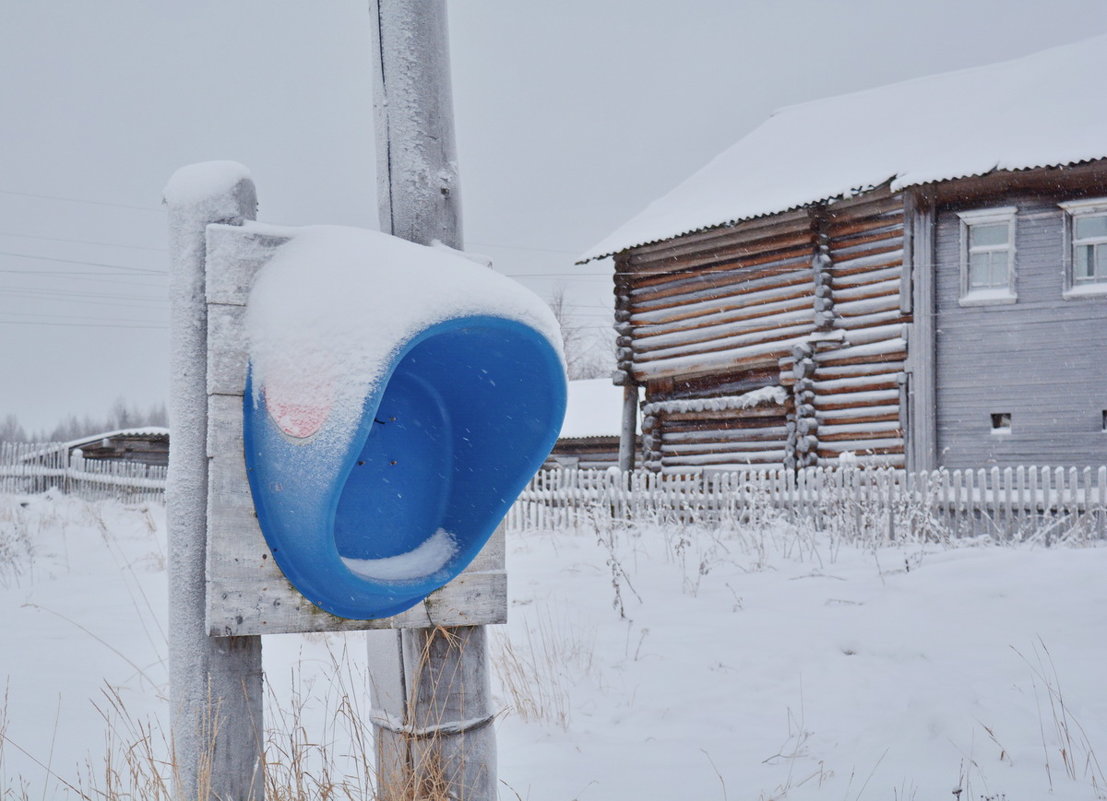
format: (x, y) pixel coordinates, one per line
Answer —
(644, 664)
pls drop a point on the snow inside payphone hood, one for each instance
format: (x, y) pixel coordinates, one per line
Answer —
(329, 313)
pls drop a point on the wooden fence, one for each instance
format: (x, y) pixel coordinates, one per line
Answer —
(27, 468)
(1046, 503)
(1012, 503)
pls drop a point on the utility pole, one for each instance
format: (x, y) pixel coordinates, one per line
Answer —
(431, 699)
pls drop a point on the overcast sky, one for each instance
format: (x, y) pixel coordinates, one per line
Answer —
(570, 116)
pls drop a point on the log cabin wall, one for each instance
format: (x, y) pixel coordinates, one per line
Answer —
(772, 341)
(707, 317)
(858, 383)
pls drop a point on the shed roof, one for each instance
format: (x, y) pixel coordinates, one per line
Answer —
(1037, 111)
(145, 432)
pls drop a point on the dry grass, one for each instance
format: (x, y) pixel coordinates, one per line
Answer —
(536, 675)
(318, 746)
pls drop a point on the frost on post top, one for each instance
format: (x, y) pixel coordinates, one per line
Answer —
(329, 312)
(196, 185)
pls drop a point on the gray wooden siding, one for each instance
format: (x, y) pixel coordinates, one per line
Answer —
(1040, 359)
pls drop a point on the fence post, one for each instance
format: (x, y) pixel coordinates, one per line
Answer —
(215, 688)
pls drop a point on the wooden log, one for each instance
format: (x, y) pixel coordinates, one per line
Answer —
(843, 251)
(730, 344)
(722, 309)
(758, 356)
(751, 232)
(857, 273)
(877, 289)
(889, 223)
(855, 399)
(738, 332)
(686, 436)
(769, 271)
(888, 380)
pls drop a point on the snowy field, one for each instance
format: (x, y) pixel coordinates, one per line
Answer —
(638, 664)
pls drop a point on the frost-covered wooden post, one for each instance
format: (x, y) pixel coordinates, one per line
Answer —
(432, 706)
(215, 683)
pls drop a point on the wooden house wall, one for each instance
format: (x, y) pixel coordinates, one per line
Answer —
(716, 302)
(1029, 358)
(810, 301)
(859, 383)
(709, 316)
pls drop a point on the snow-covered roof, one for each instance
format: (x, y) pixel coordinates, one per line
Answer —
(152, 432)
(595, 409)
(145, 431)
(1038, 111)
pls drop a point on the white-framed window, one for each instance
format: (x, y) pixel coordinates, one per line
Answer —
(988, 256)
(1085, 247)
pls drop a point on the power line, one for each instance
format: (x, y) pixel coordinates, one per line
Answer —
(82, 325)
(85, 263)
(78, 293)
(78, 318)
(83, 242)
(80, 200)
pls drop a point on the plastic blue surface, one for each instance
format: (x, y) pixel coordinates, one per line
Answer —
(469, 411)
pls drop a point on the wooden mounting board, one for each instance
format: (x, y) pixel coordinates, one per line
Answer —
(247, 593)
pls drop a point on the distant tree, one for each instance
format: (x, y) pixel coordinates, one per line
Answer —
(11, 430)
(121, 415)
(589, 350)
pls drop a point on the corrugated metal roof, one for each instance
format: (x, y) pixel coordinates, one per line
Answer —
(1042, 110)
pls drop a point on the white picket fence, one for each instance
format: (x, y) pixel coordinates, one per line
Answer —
(27, 468)
(1047, 503)
(1011, 503)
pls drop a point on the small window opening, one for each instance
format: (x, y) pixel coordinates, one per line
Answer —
(1001, 422)
(1105, 419)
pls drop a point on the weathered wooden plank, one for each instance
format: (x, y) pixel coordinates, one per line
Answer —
(234, 255)
(226, 351)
